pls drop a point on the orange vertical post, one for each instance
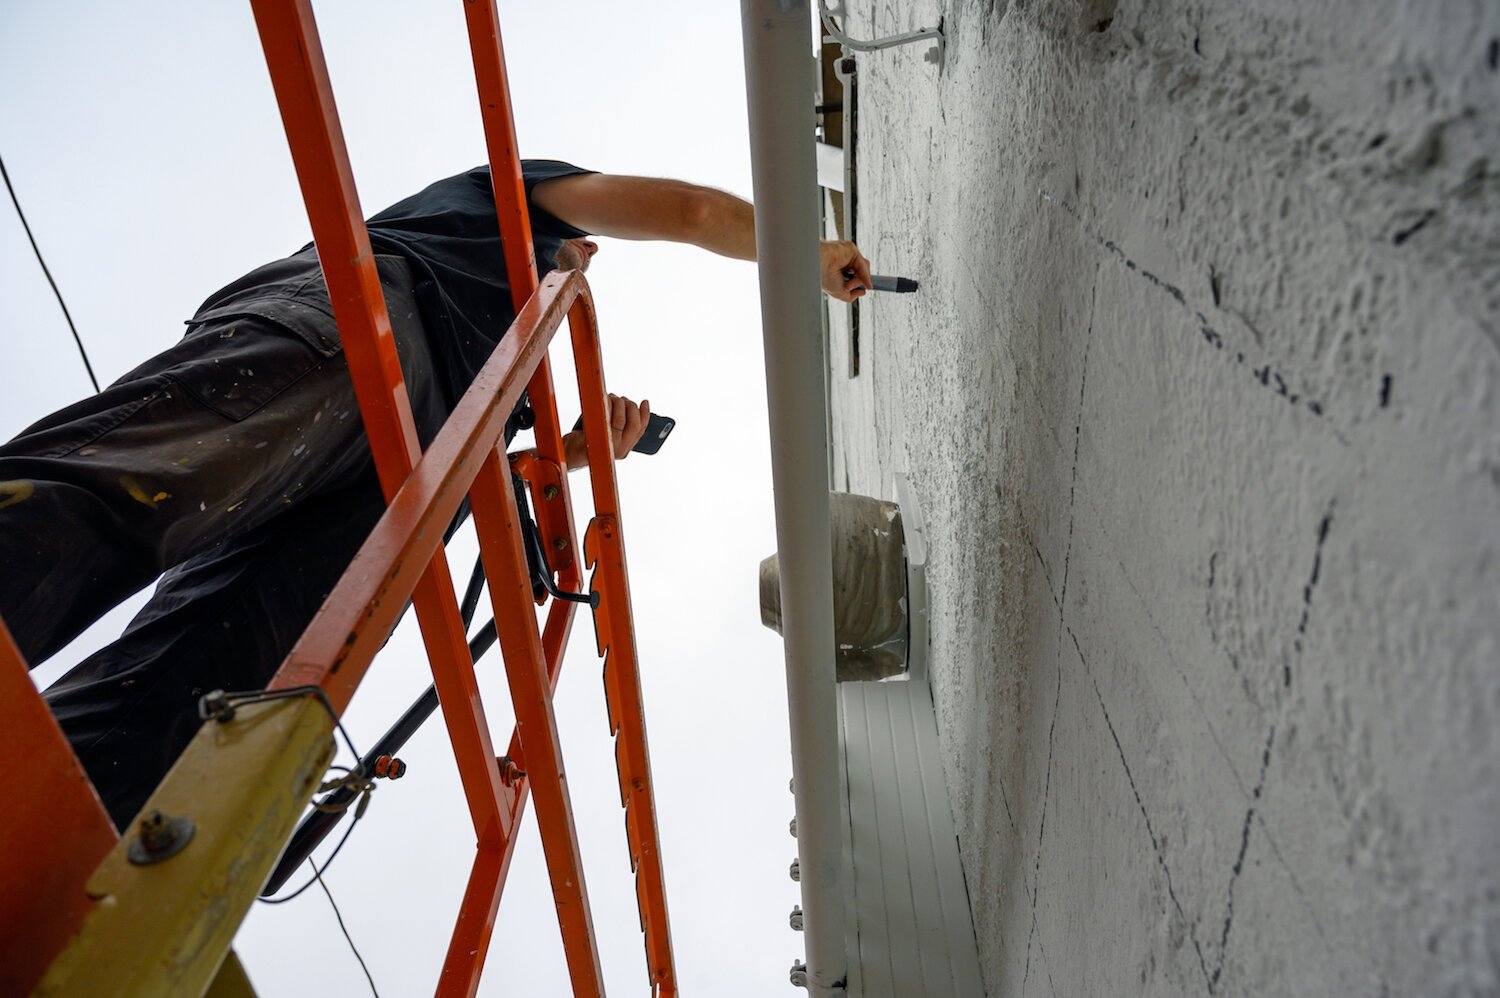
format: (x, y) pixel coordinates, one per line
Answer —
(530, 669)
(493, 84)
(299, 74)
(614, 628)
(531, 695)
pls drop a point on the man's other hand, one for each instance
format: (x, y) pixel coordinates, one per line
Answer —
(844, 270)
(627, 424)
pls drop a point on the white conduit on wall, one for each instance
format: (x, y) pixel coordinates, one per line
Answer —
(779, 80)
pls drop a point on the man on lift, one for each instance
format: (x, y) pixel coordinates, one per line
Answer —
(234, 466)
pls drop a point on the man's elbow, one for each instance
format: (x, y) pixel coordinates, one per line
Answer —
(696, 211)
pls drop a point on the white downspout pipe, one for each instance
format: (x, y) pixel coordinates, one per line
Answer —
(779, 76)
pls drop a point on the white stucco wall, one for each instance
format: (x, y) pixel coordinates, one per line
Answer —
(1202, 398)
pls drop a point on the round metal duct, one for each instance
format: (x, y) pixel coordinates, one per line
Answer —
(869, 588)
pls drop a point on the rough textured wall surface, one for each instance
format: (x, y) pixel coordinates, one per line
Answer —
(1201, 395)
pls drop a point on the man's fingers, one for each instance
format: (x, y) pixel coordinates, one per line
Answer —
(627, 423)
(575, 451)
(861, 268)
(846, 272)
(634, 427)
(856, 270)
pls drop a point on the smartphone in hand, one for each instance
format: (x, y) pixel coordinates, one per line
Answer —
(657, 429)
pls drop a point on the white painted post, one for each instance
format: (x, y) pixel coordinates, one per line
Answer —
(779, 77)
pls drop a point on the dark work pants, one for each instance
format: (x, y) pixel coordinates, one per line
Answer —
(235, 467)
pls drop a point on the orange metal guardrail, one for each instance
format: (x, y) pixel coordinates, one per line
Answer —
(54, 832)
(424, 492)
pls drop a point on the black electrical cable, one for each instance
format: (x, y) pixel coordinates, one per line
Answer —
(471, 595)
(318, 876)
(326, 864)
(37, 250)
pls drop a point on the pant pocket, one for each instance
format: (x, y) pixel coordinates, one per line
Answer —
(235, 366)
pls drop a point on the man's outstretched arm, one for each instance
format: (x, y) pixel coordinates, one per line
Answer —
(672, 210)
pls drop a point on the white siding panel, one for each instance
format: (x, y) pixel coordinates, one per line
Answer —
(911, 932)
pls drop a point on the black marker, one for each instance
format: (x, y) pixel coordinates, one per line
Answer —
(881, 282)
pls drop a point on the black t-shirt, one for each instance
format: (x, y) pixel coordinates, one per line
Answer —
(448, 238)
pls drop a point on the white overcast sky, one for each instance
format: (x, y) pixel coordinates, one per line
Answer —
(146, 148)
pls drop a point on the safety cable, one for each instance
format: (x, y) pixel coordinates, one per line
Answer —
(55, 290)
(318, 876)
(316, 869)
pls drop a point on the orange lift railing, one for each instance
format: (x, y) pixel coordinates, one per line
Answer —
(77, 912)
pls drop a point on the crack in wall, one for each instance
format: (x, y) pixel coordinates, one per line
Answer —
(1161, 859)
(1260, 820)
(1036, 877)
(1402, 235)
(1047, 966)
(1208, 618)
(1253, 814)
(1239, 860)
(1005, 799)
(1083, 381)
(1251, 794)
(1265, 374)
(1324, 526)
(1045, 572)
(1036, 880)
